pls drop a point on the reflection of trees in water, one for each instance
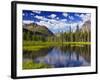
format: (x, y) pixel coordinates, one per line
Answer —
(80, 50)
(86, 52)
(72, 51)
(34, 54)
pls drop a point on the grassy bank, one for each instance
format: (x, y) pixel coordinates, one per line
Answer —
(35, 43)
(35, 46)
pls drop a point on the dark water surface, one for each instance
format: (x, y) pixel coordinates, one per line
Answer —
(56, 57)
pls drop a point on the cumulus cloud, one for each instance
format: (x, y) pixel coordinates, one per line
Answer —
(71, 17)
(27, 21)
(41, 18)
(65, 14)
(47, 24)
(52, 16)
(85, 17)
(44, 23)
(23, 14)
(55, 25)
(64, 20)
(38, 12)
(57, 18)
(32, 14)
(77, 15)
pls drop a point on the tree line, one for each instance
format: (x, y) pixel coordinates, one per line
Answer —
(70, 36)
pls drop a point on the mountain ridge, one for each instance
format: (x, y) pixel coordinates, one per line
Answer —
(37, 29)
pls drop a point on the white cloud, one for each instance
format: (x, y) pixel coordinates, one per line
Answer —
(61, 25)
(65, 14)
(41, 18)
(88, 17)
(55, 25)
(64, 20)
(47, 24)
(73, 24)
(85, 17)
(23, 14)
(80, 23)
(77, 15)
(71, 17)
(32, 14)
(57, 18)
(27, 21)
(44, 23)
(82, 16)
(38, 12)
(52, 16)
(54, 21)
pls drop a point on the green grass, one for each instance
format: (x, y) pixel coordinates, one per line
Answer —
(36, 46)
(77, 43)
(31, 43)
(35, 43)
(33, 65)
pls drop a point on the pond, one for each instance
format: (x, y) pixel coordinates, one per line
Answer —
(57, 57)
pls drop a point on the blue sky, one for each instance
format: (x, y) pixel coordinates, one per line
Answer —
(55, 21)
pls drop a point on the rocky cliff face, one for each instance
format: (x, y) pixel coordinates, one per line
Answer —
(86, 26)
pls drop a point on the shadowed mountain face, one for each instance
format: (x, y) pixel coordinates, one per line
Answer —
(36, 29)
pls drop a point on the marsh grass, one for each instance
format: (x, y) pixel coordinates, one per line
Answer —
(36, 46)
(33, 65)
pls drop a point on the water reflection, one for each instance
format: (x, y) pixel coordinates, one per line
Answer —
(67, 56)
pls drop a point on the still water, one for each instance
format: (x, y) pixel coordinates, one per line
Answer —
(56, 57)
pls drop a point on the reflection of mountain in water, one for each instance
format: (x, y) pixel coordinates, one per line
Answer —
(35, 54)
(57, 58)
